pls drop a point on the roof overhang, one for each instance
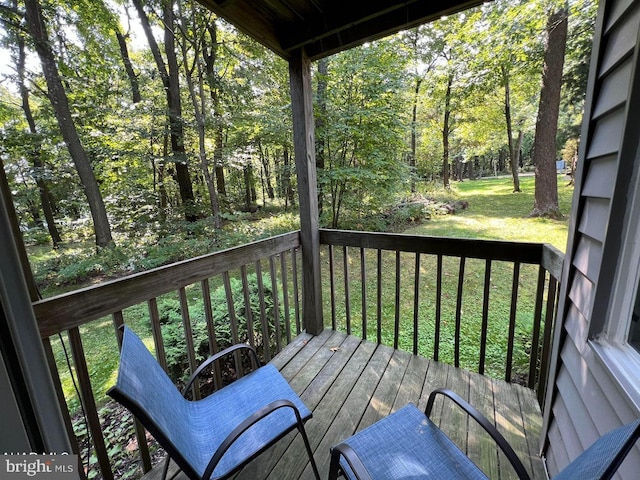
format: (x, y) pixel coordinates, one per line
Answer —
(325, 27)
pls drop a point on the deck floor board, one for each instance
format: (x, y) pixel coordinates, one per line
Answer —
(349, 384)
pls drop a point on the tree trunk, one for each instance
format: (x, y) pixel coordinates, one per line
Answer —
(288, 189)
(128, 67)
(170, 82)
(514, 151)
(446, 131)
(544, 145)
(36, 151)
(60, 104)
(321, 118)
(210, 57)
(198, 102)
(264, 158)
(414, 126)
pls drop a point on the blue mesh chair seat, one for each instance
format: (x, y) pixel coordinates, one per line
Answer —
(213, 437)
(407, 445)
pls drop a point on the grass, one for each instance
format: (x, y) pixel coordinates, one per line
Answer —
(496, 213)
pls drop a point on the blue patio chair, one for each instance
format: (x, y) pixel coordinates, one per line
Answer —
(408, 445)
(215, 436)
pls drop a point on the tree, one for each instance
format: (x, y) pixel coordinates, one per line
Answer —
(210, 57)
(35, 150)
(57, 95)
(321, 124)
(546, 189)
(169, 74)
(193, 36)
(365, 133)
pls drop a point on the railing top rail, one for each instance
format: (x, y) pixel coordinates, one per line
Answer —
(523, 252)
(552, 260)
(59, 313)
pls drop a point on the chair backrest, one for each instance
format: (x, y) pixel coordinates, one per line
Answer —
(601, 460)
(145, 390)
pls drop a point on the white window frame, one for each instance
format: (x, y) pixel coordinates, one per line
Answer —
(611, 345)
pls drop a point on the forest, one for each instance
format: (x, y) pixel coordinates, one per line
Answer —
(126, 123)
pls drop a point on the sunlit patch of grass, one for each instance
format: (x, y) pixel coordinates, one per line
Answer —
(496, 212)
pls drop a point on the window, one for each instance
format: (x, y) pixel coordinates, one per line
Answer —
(634, 328)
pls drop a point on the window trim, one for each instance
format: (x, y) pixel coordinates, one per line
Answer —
(610, 345)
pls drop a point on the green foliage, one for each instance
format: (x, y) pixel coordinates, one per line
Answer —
(173, 329)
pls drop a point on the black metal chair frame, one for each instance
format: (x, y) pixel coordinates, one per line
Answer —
(351, 457)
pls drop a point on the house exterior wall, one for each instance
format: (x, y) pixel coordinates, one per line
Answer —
(587, 399)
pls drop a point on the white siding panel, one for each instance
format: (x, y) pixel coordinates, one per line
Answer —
(557, 457)
(570, 438)
(581, 294)
(607, 135)
(599, 400)
(577, 326)
(613, 92)
(594, 219)
(621, 41)
(602, 175)
(578, 414)
(588, 257)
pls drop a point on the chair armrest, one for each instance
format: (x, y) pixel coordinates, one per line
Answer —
(244, 426)
(484, 423)
(351, 457)
(218, 356)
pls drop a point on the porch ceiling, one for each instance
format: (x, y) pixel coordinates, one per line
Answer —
(324, 27)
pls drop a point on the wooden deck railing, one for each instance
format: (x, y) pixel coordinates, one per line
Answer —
(275, 258)
(487, 306)
(420, 294)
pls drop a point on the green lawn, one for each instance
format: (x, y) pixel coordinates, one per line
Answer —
(496, 213)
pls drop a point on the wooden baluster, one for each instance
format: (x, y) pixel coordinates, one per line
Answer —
(416, 303)
(485, 316)
(233, 319)
(247, 305)
(332, 287)
(211, 329)
(550, 314)
(512, 320)
(363, 287)
(266, 343)
(459, 312)
(379, 299)
(66, 417)
(285, 297)
(276, 303)
(156, 330)
(188, 336)
(436, 341)
(89, 403)
(296, 293)
(396, 324)
(347, 293)
(537, 320)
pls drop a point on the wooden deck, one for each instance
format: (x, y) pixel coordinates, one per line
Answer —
(349, 384)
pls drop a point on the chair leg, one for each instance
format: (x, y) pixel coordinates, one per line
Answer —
(165, 469)
(334, 469)
(309, 451)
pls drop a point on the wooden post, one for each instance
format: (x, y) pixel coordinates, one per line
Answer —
(305, 157)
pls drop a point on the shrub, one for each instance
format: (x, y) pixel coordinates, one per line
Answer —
(173, 331)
